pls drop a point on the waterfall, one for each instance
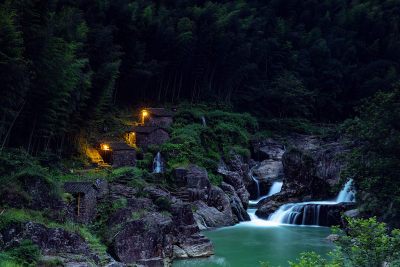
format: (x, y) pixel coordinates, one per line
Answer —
(346, 195)
(157, 163)
(310, 213)
(203, 121)
(275, 188)
(255, 180)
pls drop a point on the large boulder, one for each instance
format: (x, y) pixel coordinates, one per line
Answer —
(145, 238)
(212, 216)
(300, 170)
(236, 180)
(269, 148)
(269, 169)
(238, 210)
(191, 176)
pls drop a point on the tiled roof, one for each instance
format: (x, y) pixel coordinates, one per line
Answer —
(115, 146)
(78, 187)
(159, 112)
(143, 129)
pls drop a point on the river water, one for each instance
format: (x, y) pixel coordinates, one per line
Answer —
(273, 240)
(246, 244)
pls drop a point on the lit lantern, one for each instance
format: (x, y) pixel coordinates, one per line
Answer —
(105, 147)
(144, 114)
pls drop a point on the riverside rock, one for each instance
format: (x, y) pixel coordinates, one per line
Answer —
(145, 238)
(52, 242)
(212, 216)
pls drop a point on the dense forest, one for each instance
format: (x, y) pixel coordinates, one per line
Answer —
(65, 63)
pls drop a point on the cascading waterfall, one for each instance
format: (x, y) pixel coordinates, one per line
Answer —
(310, 213)
(346, 195)
(157, 163)
(275, 188)
(203, 121)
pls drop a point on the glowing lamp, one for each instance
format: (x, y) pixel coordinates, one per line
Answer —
(144, 114)
(105, 147)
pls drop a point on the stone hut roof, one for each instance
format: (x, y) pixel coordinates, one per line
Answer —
(78, 187)
(143, 129)
(118, 146)
(159, 112)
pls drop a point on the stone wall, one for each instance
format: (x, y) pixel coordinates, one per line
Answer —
(157, 137)
(158, 121)
(123, 158)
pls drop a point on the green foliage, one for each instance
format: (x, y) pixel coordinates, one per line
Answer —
(19, 173)
(215, 179)
(146, 162)
(163, 203)
(374, 163)
(119, 204)
(192, 142)
(133, 175)
(311, 259)
(24, 255)
(364, 243)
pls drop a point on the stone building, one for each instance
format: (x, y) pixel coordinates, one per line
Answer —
(82, 206)
(145, 136)
(158, 117)
(118, 154)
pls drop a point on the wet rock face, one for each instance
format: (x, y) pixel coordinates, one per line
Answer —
(237, 206)
(269, 170)
(150, 238)
(144, 238)
(312, 172)
(269, 148)
(212, 216)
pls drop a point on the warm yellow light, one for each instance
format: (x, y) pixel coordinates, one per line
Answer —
(133, 133)
(105, 147)
(144, 112)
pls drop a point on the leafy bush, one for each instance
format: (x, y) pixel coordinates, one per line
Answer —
(26, 254)
(364, 243)
(163, 203)
(215, 179)
(133, 175)
(374, 163)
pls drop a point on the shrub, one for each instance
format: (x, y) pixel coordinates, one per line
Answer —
(133, 175)
(26, 254)
(364, 243)
(163, 203)
(215, 179)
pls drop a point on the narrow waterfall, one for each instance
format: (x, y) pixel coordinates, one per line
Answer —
(310, 213)
(346, 195)
(275, 188)
(157, 163)
(257, 184)
(203, 121)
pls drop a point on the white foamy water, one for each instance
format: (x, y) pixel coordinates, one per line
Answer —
(275, 188)
(308, 213)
